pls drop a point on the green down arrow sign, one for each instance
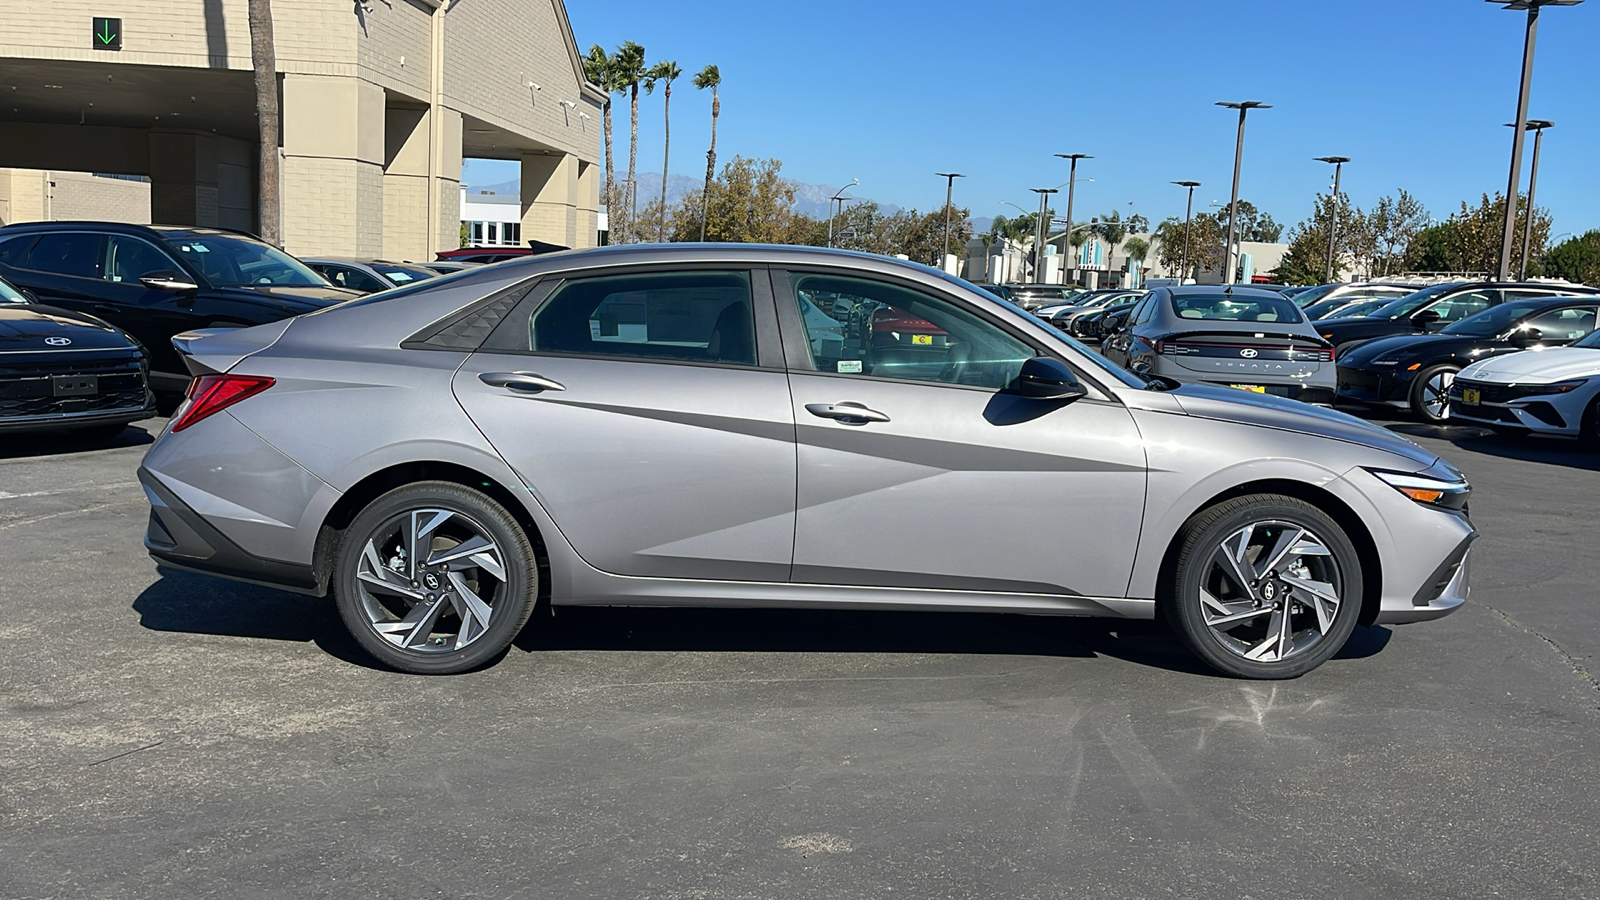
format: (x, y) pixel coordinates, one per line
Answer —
(107, 33)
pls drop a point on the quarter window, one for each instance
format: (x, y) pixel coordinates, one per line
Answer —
(855, 326)
(690, 316)
(74, 253)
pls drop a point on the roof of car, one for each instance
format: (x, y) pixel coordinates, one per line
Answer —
(177, 231)
(772, 254)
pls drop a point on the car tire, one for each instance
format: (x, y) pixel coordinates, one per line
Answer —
(1295, 612)
(1425, 398)
(1589, 429)
(453, 615)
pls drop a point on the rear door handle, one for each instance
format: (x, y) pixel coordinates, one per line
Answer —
(847, 412)
(526, 382)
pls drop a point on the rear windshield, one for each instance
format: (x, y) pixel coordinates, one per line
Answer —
(1236, 308)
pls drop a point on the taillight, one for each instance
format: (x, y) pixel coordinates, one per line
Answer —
(210, 394)
(1161, 345)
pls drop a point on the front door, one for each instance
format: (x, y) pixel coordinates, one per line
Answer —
(648, 420)
(918, 468)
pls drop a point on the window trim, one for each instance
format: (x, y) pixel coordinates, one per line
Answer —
(510, 336)
(796, 344)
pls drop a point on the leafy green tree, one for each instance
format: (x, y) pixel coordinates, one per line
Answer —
(1469, 241)
(665, 72)
(1205, 244)
(1254, 225)
(1394, 222)
(1575, 259)
(1138, 224)
(749, 203)
(710, 78)
(1307, 258)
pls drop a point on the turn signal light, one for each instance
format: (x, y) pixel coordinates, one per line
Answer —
(211, 394)
(1422, 495)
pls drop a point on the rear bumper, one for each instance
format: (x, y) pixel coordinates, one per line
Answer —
(68, 421)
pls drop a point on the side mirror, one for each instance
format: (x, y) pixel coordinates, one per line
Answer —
(1423, 319)
(167, 281)
(1043, 378)
(1526, 337)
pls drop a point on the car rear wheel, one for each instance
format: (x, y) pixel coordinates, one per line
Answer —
(1430, 394)
(1264, 586)
(435, 578)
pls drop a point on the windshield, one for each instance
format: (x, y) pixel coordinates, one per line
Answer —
(1343, 307)
(1410, 303)
(1235, 308)
(1313, 294)
(239, 262)
(1495, 321)
(402, 274)
(9, 294)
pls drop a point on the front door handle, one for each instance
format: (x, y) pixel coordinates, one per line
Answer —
(846, 412)
(526, 382)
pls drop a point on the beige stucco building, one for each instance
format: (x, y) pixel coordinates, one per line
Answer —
(381, 101)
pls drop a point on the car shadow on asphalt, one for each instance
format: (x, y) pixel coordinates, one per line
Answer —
(21, 446)
(183, 602)
(1553, 451)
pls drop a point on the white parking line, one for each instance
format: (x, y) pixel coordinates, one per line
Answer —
(7, 495)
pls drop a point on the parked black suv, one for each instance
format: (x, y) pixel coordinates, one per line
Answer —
(1432, 308)
(155, 281)
(64, 371)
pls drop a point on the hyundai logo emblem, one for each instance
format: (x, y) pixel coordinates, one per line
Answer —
(1249, 353)
(58, 341)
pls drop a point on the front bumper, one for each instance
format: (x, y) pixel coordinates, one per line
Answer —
(1442, 594)
(1558, 414)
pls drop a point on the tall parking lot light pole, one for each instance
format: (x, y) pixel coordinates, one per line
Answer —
(837, 196)
(1072, 185)
(1537, 126)
(1188, 216)
(949, 190)
(1038, 247)
(1521, 125)
(1233, 206)
(1333, 210)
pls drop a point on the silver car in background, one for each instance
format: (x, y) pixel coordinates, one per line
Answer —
(1246, 338)
(738, 425)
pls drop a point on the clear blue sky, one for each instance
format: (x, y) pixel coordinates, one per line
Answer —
(892, 91)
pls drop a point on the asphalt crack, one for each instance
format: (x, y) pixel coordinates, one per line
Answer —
(1573, 662)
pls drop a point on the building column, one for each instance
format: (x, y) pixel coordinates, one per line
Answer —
(588, 203)
(183, 179)
(333, 155)
(407, 132)
(549, 198)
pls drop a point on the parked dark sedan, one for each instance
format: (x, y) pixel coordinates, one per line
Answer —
(1415, 371)
(1435, 307)
(63, 371)
(157, 281)
(1098, 323)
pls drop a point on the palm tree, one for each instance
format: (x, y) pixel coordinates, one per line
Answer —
(264, 59)
(630, 72)
(709, 77)
(600, 69)
(1137, 249)
(665, 72)
(1112, 230)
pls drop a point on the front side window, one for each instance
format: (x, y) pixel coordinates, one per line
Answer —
(856, 326)
(236, 262)
(688, 316)
(1459, 306)
(69, 253)
(1559, 326)
(128, 259)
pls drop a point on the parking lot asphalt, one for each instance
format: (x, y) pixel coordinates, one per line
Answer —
(179, 736)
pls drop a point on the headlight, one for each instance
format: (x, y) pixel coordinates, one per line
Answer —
(1440, 486)
(1556, 387)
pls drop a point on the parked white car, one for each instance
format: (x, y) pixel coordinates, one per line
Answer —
(1550, 391)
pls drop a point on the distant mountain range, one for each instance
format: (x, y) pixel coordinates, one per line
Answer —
(810, 199)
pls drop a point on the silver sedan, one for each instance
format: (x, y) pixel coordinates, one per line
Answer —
(764, 426)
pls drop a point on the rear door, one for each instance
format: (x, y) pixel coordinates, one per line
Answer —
(64, 269)
(649, 413)
(152, 315)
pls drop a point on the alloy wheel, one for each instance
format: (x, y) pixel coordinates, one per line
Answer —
(1436, 394)
(429, 580)
(1270, 591)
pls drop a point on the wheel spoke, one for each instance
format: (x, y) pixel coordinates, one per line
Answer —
(475, 614)
(414, 629)
(1233, 568)
(380, 576)
(1286, 542)
(1285, 629)
(475, 551)
(1261, 651)
(1320, 596)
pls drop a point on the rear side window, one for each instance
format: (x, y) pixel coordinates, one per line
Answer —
(73, 253)
(688, 316)
(14, 250)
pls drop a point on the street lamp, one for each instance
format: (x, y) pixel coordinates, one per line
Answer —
(1521, 125)
(1233, 206)
(1333, 209)
(1537, 126)
(838, 195)
(949, 188)
(1188, 215)
(1038, 246)
(1072, 184)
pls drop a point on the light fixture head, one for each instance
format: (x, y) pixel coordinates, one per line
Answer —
(949, 174)
(1074, 156)
(1534, 124)
(569, 104)
(535, 86)
(1247, 104)
(1533, 4)
(1191, 185)
(1333, 159)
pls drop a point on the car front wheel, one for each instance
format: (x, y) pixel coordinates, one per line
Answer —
(435, 578)
(1430, 394)
(1264, 586)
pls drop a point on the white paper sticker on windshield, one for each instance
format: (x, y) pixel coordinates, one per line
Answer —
(850, 366)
